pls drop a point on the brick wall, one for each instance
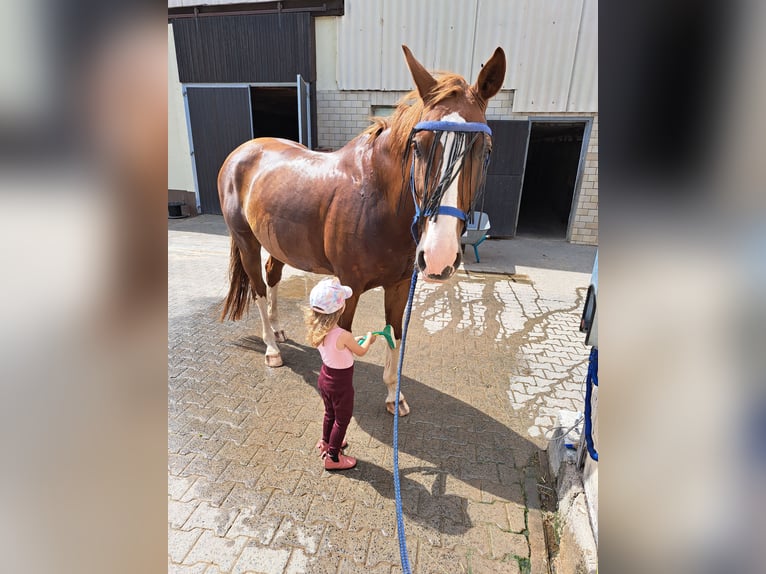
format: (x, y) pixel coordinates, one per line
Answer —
(584, 227)
(342, 115)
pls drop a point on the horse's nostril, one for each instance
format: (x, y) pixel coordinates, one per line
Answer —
(446, 273)
(421, 261)
(458, 259)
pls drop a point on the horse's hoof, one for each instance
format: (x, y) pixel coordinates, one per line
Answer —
(280, 336)
(404, 408)
(274, 360)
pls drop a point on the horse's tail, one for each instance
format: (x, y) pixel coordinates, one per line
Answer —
(237, 301)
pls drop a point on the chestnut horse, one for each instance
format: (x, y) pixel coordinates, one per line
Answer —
(348, 213)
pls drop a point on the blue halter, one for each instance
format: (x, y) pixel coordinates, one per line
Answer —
(441, 126)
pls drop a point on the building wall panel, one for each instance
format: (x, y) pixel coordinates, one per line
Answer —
(550, 45)
(583, 92)
(254, 48)
(359, 46)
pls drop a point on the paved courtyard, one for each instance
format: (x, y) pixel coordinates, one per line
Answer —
(491, 360)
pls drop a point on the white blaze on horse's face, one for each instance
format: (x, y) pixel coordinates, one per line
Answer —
(438, 253)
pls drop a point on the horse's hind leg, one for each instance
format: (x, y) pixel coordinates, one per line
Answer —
(273, 277)
(395, 301)
(250, 253)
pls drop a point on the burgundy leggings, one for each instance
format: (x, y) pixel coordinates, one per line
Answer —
(336, 386)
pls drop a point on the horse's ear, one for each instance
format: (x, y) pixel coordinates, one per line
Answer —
(423, 80)
(492, 76)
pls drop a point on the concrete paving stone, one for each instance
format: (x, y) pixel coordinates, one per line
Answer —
(245, 474)
(179, 512)
(232, 451)
(177, 441)
(274, 477)
(247, 497)
(178, 485)
(507, 565)
(503, 492)
(212, 549)
(195, 428)
(505, 544)
(478, 471)
(304, 460)
(223, 402)
(318, 484)
(456, 487)
(348, 566)
(328, 563)
(362, 493)
(450, 506)
(213, 492)
(200, 413)
(299, 563)
(251, 524)
(517, 519)
(433, 560)
(336, 513)
(427, 530)
(259, 559)
(201, 446)
(180, 542)
(494, 513)
(574, 395)
(475, 538)
(203, 466)
(209, 517)
(561, 403)
(379, 518)
(184, 569)
(384, 549)
(286, 504)
(351, 544)
(178, 462)
(299, 535)
(227, 417)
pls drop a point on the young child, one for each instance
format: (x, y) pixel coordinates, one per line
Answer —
(337, 348)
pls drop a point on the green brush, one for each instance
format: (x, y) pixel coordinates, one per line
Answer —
(387, 333)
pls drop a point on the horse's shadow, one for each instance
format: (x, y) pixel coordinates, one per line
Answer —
(476, 454)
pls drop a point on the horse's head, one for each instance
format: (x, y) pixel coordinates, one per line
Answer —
(447, 159)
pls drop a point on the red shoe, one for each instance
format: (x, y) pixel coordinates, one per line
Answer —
(323, 447)
(344, 462)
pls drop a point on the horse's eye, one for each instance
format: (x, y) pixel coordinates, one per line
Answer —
(416, 147)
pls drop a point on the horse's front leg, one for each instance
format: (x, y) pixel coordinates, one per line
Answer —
(395, 301)
(273, 277)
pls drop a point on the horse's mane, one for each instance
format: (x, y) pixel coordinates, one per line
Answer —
(409, 110)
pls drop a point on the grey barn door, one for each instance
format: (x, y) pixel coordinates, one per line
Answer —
(304, 112)
(505, 174)
(220, 121)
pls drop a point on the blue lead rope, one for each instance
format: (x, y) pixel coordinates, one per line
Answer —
(590, 382)
(404, 557)
(446, 210)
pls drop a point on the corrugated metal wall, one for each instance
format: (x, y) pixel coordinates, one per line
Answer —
(550, 44)
(583, 92)
(255, 48)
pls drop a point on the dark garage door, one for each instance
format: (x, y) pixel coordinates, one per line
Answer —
(504, 176)
(220, 121)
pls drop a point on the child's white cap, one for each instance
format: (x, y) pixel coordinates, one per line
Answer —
(329, 295)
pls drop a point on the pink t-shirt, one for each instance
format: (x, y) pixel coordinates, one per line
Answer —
(331, 356)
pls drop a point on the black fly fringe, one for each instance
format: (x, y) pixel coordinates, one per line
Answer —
(461, 155)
